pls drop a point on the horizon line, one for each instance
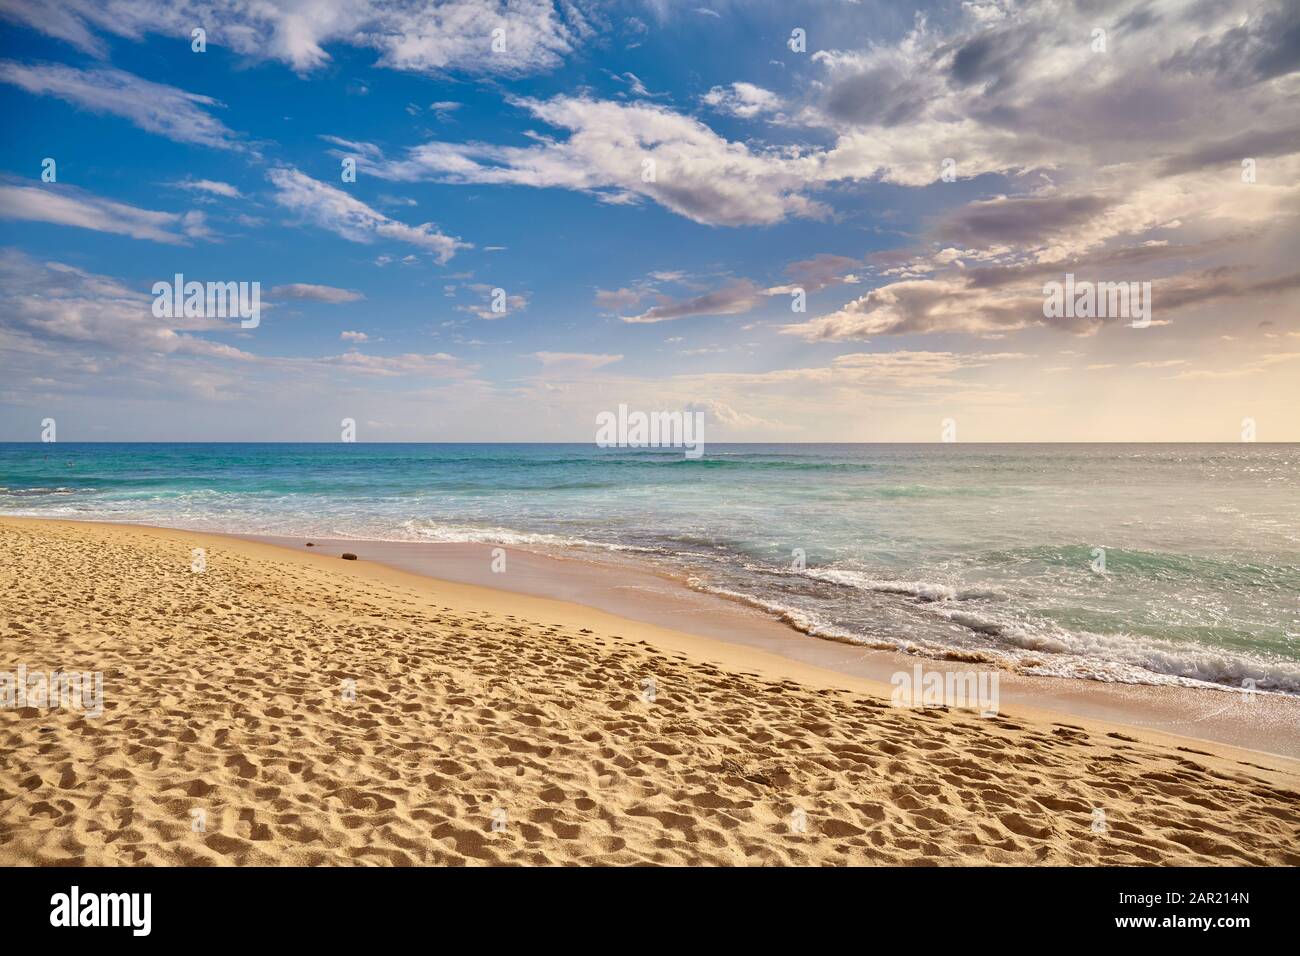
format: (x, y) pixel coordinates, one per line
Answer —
(630, 448)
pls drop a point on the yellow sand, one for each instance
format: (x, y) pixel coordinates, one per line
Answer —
(224, 694)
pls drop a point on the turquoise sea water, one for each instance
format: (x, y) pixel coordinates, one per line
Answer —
(981, 551)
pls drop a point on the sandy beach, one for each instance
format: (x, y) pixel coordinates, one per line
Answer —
(1265, 722)
(284, 706)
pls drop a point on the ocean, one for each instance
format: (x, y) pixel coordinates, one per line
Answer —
(1164, 564)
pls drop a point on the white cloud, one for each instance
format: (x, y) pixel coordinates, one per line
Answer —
(988, 92)
(721, 414)
(575, 361)
(823, 270)
(744, 100)
(55, 302)
(615, 300)
(734, 298)
(413, 35)
(210, 186)
(333, 209)
(511, 302)
(1157, 127)
(66, 206)
(154, 107)
(1168, 363)
(316, 293)
(348, 147)
(99, 340)
(438, 364)
(922, 305)
(634, 84)
(625, 152)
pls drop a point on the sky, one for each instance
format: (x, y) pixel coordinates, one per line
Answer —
(811, 221)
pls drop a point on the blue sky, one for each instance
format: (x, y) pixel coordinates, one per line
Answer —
(775, 169)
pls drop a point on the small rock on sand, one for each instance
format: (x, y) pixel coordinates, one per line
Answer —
(349, 556)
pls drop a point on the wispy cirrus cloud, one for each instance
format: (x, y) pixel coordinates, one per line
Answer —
(315, 293)
(210, 187)
(575, 361)
(153, 107)
(435, 364)
(410, 35)
(735, 298)
(331, 208)
(68, 206)
(615, 300)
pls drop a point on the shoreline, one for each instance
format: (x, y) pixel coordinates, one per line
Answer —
(227, 695)
(1267, 725)
(648, 595)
